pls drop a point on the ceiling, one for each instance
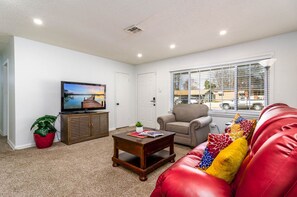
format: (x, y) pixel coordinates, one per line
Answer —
(97, 26)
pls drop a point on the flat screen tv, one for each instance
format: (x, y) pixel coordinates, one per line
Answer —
(76, 96)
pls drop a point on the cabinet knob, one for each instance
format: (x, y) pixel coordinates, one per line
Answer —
(118, 103)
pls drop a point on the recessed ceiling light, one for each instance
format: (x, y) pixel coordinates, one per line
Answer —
(172, 46)
(139, 55)
(223, 32)
(37, 21)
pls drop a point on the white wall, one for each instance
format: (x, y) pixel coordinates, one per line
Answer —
(283, 74)
(39, 70)
(1, 95)
(7, 55)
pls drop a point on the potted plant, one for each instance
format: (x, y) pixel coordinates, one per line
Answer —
(44, 131)
(139, 127)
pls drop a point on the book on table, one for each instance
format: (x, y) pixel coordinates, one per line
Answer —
(151, 133)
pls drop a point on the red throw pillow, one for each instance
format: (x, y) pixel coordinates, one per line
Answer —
(216, 143)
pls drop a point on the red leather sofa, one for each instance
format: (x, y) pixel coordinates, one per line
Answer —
(269, 169)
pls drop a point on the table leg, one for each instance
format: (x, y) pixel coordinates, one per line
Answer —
(115, 154)
(143, 160)
(171, 150)
(142, 177)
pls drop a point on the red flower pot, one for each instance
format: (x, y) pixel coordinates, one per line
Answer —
(44, 142)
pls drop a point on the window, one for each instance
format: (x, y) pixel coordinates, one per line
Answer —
(241, 86)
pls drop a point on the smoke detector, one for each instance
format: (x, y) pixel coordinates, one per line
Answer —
(133, 29)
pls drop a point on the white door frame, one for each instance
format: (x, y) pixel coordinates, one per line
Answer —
(116, 99)
(155, 95)
(5, 113)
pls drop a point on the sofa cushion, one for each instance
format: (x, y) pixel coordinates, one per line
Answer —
(178, 127)
(182, 179)
(228, 161)
(189, 112)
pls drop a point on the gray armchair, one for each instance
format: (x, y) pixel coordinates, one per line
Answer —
(190, 122)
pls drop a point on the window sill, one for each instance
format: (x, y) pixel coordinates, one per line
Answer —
(231, 113)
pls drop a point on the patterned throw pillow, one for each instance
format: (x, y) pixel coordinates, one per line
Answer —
(206, 160)
(216, 143)
(241, 127)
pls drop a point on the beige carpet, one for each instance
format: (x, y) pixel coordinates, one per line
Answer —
(82, 169)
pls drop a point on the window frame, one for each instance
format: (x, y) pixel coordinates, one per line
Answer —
(249, 62)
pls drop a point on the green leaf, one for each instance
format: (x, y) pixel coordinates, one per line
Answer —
(44, 125)
(41, 131)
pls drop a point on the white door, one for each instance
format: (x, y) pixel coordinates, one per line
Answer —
(122, 100)
(146, 97)
(5, 99)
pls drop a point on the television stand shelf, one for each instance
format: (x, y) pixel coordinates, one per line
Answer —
(78, 127)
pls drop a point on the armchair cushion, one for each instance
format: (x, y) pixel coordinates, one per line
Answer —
(189, 122)
(178, 127)
(188, 112)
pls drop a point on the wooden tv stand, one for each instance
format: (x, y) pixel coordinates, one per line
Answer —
(78, 127)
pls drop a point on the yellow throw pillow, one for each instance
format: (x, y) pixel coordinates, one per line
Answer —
(228, 161)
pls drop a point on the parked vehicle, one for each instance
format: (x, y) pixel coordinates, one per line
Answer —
(185, 101)
(243, 104)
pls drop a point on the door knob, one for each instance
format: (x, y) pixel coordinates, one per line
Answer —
(118, 103)
(154, 100)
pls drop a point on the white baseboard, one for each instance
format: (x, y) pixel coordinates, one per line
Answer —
(11, 144)
(14, 147)
(30, 145)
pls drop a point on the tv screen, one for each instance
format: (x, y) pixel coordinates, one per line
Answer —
(77, 96)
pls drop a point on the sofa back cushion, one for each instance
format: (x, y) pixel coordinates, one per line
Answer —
(189, 112)
(273, 151)
(272, 170)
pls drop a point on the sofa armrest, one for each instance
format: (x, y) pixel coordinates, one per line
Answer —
(162, 120)
(185, 181)
(200, 122)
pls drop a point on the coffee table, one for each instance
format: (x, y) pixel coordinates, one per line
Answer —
(143, 156)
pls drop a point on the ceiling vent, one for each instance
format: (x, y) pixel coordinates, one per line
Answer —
(133, 29)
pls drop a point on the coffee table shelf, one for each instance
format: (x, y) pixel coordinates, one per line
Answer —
(143, 156)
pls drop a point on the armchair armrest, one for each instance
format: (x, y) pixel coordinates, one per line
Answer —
(200, 122)
(162, 120)
(199, 130)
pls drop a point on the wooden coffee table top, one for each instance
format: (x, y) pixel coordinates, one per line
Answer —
(125, 136)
